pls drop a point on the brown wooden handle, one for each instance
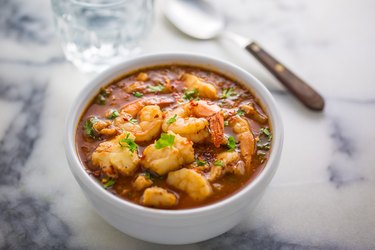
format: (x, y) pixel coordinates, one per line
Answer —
(296, 85)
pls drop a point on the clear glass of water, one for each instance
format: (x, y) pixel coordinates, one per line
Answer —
(98, 33)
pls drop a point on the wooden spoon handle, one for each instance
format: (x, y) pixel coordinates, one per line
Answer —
(307, 95)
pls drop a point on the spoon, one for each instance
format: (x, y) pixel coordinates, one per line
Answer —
(199, 20)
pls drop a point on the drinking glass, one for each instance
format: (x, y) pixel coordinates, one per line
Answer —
(95, 34)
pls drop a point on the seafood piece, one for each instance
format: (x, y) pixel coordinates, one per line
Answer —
(252, 113)
(104, 127)
(195, 121)
(113, 158)
(150, 118)
(226, 159)
(170, 158)
(158, 197)
(194, 184)
(205, 89)
(149, 126)
(141, 182)
(134, 107)
(246, 138)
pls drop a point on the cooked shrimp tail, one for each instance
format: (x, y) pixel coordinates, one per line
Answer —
(217, 128)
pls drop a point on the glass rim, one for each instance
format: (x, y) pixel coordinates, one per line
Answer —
(97, 3)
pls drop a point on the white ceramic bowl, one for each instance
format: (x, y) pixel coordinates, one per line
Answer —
(173, 226)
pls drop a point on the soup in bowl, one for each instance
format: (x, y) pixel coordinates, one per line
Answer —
(174, 148)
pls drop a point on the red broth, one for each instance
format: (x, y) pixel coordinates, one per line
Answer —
(167, 83)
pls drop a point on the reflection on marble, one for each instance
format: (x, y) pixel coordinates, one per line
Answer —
(323, 194)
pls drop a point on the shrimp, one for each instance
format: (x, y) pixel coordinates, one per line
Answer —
(196, 120)
(193, 183)
(246, 138)
(251, 112)
(113, 158)
(141, 182)
(166, 159)
(205, 89)
(149, 126)
(150, 119)
(228, 159)
(104, 127)
(134, 107)
(158, 197)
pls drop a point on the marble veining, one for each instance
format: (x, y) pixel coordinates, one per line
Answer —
(19, 23)
(28, 222)
(22, 133)
(322, 196)
(256, 239)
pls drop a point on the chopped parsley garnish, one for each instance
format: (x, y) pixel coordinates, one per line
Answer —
(109, 184)
(226, 123)
(128, 143)
(157, 88)
(231, 144)
(114, 113)
(261, 156)
(200, 163)
(263, 146)
(228, 93)
(147, 175)
(88, 126)
(101, 97)
(219, 163)
(172, 119)
(133, 121)
(165, 140)
(266, 132)
(137, 94)
(190, 94)
(240, 112)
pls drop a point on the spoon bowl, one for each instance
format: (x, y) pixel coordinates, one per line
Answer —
(189, 15)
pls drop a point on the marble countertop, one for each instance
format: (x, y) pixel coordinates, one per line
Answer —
(323, 195)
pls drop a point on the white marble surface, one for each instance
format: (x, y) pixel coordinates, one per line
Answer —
(323, 195)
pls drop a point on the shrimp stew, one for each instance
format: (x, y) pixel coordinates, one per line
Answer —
(174, 137)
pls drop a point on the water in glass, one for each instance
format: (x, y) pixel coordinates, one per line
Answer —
(98, 33)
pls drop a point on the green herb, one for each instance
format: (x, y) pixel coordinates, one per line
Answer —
(219, 163)
(190, 94)
(133, 121)
(228, 93)
(165, 140)
(137, 94)
(157, 88)
(109, 184)
(128, 143)
(261, 153)
(101, 97)
(261, 156)
(264, 146)
(240, 112)
(231, 143)
(226, 123)
(267, 133)
(88, 126)
(200, 163)
(114, 114)
(147, 175)
(172, 119)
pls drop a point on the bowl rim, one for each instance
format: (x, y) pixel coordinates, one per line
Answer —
(87, 93)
